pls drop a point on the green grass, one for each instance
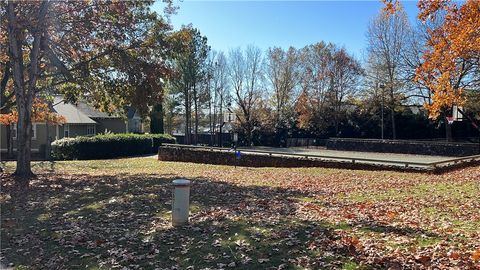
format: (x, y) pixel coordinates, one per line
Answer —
(104, 214)
(447, 190)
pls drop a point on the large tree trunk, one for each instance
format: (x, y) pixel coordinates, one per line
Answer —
(24, 92)
(24, 137)
(47, 141)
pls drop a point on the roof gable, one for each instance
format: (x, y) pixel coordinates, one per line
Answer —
(92, 112)
(80, 113)
(71, 113)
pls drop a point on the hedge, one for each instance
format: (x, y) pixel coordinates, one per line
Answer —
(108, 146)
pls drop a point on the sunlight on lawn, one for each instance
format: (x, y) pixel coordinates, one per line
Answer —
(109, 213)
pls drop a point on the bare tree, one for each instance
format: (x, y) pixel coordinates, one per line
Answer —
(218, 88)
(387, 40)
(282, 70)
(344, 75)
(413, 58)
(246, 76)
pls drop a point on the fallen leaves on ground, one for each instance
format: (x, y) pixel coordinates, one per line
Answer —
(116, 214)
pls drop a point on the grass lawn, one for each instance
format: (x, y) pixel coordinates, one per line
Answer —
(109, 214)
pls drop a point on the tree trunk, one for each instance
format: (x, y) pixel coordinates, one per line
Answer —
(336, 119)
(249, 130)
(24, 92)
(214, 121)
(24, 138)
(195, 104)
(187, 117)
(48, 141)
(220, 143)
(210, 120)
(394, 129)
(336, 128)
(448, 131)
(250, 135)
(10, 135)
(392, 115)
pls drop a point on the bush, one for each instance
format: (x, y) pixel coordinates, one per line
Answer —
(108, 146)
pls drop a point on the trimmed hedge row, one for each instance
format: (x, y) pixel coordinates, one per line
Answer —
(108, 146)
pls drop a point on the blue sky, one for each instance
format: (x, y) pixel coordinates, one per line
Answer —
(229, 24)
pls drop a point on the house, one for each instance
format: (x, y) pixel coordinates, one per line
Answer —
(81, 120)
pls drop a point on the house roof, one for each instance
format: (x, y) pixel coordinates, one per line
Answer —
(92, 112)
(80, 113)
(71, 113)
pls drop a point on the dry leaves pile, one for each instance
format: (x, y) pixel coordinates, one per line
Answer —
(115, 214)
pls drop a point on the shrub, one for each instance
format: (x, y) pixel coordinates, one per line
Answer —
(108, 146)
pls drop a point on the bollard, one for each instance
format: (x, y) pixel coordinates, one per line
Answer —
(181, 202)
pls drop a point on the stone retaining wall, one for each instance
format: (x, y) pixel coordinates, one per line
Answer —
(404, 147)
(204, 155)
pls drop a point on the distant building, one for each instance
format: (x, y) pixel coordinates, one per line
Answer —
(81, 120)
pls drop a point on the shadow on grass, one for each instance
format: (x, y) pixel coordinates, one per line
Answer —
(46, 165)
(83, 221)
(367, 225)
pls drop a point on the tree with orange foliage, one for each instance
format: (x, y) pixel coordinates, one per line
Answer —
(451, 63)
(41, 112)
(304, 111)
(453, 59)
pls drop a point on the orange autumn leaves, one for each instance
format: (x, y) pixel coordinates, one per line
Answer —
(452, 47)
(390, 6)
(476, 255)
(453, 50)
(40, 113)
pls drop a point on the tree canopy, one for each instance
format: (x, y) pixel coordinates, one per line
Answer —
(451, 61)
(113, 53)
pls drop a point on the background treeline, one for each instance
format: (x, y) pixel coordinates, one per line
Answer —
(318, 91)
